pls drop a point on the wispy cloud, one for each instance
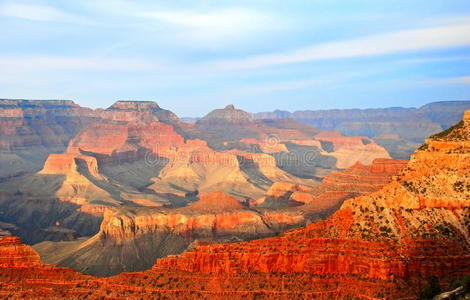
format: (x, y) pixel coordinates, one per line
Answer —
(427, 59)
(387, 43)
(77, 63)
(213, 25)
(458, 80)
(197, 23)
(227, 18)
(39, 13)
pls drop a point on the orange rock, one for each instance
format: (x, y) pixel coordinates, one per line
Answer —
(466, 116)
(14, 254)
(338, 186)
(380, 245)
(217, 201)
(370, 236)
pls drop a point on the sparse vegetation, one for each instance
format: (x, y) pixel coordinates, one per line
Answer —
(446, 132)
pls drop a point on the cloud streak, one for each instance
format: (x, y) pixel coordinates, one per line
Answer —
(459, 80)
(37, 63)
(213, 25)
(380, 44)
(41, 13)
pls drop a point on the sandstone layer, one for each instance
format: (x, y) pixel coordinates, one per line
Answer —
(415, 227)
(132, 238)
(380, 245)
(335, 188)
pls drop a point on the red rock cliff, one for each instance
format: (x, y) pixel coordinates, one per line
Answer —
(411, 229)
(14, 254)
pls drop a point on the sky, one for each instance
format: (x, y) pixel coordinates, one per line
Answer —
(260, 55)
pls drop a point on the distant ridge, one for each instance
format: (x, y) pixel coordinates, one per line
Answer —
(397, 129)
(319, 118)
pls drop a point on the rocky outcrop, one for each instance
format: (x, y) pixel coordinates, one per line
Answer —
(229, 125)
(76, 187)
(14, 254)
(227, 115)
(380, 245)
(31, 130)
(361, 179)
(95, 147)
(335, 188)
(285, 194)
(413, 228)
(41, 281)
(132, 238)
(349, 150)
(216, 202)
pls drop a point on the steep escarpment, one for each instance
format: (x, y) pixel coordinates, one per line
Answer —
(216, 202)
(349, 150)
(104, 161)
(163, 115)
(355, 181)
(336, 187)
(361, 120)
(413, 228)
(31, 130)
(23, 276)
(133, 238)
(380, 245)
(14, 254)
(446, 113)
(29, 279)
(133, 153)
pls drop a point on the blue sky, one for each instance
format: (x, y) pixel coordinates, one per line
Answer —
(260, 55)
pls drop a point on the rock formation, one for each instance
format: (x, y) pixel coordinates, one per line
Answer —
(137, 154)
(410, 125)
(413, 228)
(335, 188)
(14, 254)
(138, 168)
(380, 245)
(349, 150)
(217, 217)
(132, 238)
(31, 130)
(73, 186)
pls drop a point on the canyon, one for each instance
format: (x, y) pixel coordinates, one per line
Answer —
(379, 245)
(414, 227)
(131, 239)
(399, 130)
(72, 163)
(81, 171)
